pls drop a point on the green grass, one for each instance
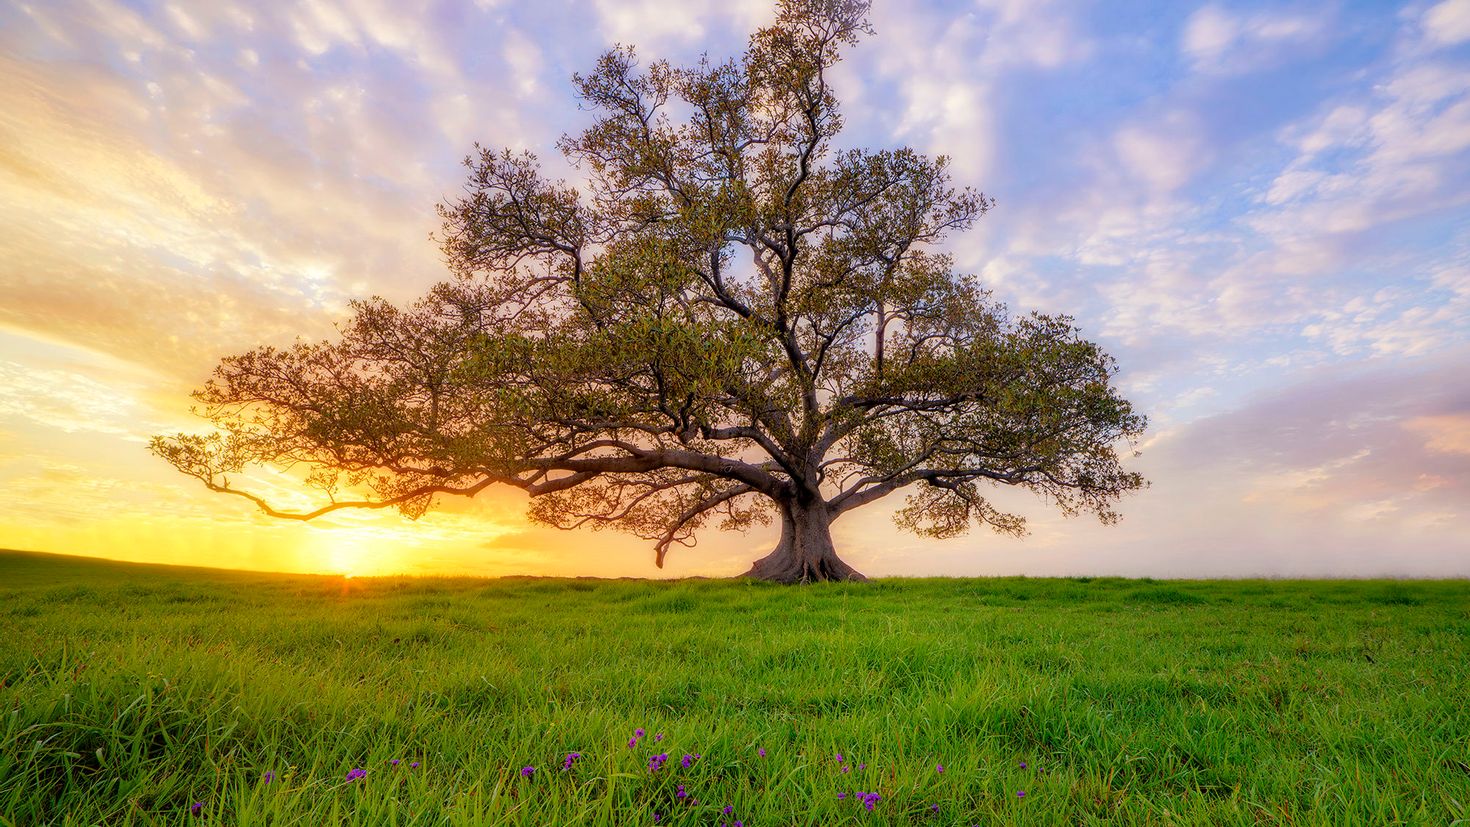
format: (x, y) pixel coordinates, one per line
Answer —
(131, 691)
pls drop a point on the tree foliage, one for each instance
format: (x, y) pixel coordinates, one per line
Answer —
(729, 319)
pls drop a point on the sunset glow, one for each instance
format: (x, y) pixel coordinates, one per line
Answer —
(1264, 214)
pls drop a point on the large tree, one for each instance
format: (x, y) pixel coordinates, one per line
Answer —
(730, 320)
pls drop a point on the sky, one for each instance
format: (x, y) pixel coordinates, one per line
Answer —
(1262, 210)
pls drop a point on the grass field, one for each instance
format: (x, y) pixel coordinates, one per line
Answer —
(132, 692)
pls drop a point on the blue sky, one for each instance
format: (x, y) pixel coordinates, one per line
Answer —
(1262, 209)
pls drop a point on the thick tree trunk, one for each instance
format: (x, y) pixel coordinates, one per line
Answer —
(804, 553)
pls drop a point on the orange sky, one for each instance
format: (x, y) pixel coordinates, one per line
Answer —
(179, 183)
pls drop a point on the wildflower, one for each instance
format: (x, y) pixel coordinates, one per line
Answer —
(527, 772)
(356, 773)
(638, 733)
(933, 808)
(657, 818)
(841, 796)
(681, 793)
(688, 760)
(414, 765)
(862, 766)
(268, 777)
(1023, 765)
(632, 742)
(761, 752)
(658, 737)
(844, 768)
(939, 768)
(570, 760)
(656, 762)
(196, 808)
(1020, 793)
(728, 809)
(393, 761)
(839, 758)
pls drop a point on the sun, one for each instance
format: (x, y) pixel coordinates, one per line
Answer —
(352, 551)
(346, 551)
(343, 556)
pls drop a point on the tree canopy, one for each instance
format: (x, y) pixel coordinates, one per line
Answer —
(727, 319)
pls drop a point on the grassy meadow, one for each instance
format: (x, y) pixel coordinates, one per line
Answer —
(156, 695)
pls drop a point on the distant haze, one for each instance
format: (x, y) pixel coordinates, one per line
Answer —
(1263, 214)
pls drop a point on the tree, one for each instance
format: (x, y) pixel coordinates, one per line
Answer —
(733, 320)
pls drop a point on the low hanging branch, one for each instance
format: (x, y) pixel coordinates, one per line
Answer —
(733, 322)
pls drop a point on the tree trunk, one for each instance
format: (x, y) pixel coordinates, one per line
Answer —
(804, 553)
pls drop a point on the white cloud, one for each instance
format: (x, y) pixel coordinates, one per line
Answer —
(943, 69)
(1448, 22)
(648, 23)
(1375, 161)
(1163, 153)
(66, 400)
(1218, 41)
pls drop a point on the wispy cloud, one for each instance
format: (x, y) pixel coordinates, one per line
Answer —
(1218, 40)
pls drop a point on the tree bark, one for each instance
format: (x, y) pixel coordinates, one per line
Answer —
(805, 553)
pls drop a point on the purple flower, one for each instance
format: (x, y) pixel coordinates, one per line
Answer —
(657, 818)
(688, 760)
(638, 733)
(761, 752)
(933, 808)
(527, 772)
(356, 773)
(414, 765)
(632, 742)
(681, 793)
(862, 766)
(841, 796)
(570, 760)
(839, 758)
(658, 737)
(656, 762)
(728, 809)
(393, 761)
(844, 768)
(1023, 765)
(196, 808)
(268, 777)
(939, 768)
(1020, 793)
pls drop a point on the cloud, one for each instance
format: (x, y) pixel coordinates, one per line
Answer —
(929, 77)
(65, 400)
(652, 23)
(1163, 153)
(1219, 41)
(1339, 471)
(1444, 433)
(1448, 23)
